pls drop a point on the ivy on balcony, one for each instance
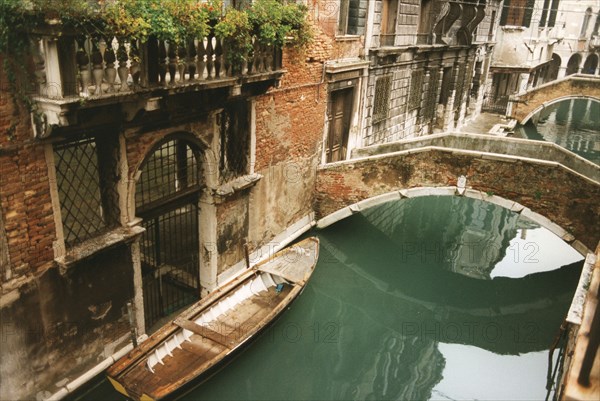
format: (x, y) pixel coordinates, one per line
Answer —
(120, 45)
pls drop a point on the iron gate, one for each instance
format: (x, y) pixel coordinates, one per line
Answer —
(495, 105)
(170, 262)
(167, 201)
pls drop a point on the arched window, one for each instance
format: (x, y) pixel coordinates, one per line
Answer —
(590, 65)
(586, 23)
(172, 168)
(573, 64)
(554, 68)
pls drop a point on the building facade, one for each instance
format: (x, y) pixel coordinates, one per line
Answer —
(578, 46)
(540, 41)
(421, 70)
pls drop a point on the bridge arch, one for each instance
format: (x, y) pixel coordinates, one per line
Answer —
(416, 192)
(538, 176)
(577, 86)
(554, 101)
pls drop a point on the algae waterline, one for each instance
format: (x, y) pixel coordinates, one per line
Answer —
(426, 298)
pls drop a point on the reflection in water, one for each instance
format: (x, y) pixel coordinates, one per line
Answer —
(406, 304)
(572, 124)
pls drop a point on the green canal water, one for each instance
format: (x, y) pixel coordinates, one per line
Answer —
(573, 124)
(428, 298)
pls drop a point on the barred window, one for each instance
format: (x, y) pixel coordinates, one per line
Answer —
(416, 89)
(381, 101)
(86, 177)
(234, 144)
(171, 169)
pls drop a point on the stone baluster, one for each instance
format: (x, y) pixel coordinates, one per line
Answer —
(172, 53)
(218, 58)
(191, 56)
(244, 68)
(251, 58)
(110, 73)
(258, 57)
(162, 62)
(227, 71)
(201, 60)
(39, 65)
(134, 58)
(209, 57)
(97, 70)
(122, 71)
(269, 57)
(181, 61)
(83, 61)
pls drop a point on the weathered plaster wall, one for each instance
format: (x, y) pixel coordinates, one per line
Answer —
(566, 199)
(59, 325)
(289, 131)
(232, 229)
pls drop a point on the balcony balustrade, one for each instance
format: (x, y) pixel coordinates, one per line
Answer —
(72, 70)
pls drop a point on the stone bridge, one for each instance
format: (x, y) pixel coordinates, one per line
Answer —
(540, 180)
(579, 86)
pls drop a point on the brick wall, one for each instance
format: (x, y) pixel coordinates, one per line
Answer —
(565, 198)
(24, 193)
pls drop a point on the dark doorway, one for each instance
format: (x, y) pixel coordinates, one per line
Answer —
(167, 201)
(340, 112)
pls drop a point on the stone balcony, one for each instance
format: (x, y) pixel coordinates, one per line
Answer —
(74, 73)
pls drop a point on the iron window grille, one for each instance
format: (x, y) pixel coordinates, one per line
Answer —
(234, 143)
(171, 169)
(86, 177)
(416, 89)
(431, 95)
(382, 98)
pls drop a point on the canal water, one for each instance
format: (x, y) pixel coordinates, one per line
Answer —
(573, 124)
(427, 298)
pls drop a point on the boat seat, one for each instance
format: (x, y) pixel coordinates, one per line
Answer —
(204, 332)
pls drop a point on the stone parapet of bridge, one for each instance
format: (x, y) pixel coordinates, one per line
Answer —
(525, 105)
(536, 177)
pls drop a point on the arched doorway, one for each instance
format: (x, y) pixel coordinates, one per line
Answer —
(590, 65)
(573, 64)
(166, 199)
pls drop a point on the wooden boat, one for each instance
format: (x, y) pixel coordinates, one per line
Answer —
(207, 333)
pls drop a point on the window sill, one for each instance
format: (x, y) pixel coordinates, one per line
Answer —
(512, 28)
(347, 38)
(94, 245)
(237, 185)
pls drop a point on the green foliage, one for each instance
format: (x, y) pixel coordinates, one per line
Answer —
(235, 30)
(172, 20)
(277, 22)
